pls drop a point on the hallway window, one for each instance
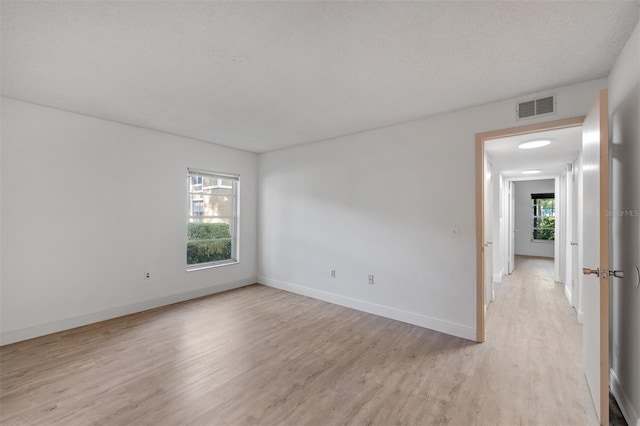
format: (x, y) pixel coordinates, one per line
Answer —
(543, 207)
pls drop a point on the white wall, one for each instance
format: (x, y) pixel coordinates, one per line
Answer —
(383, 202)
(524, 222)
(89, 205)
(624, 108)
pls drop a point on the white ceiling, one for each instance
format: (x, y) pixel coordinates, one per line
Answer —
(551, 160)
(265, 75)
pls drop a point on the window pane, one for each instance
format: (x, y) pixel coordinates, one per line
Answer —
(217, 190)
(547, 207)
(208, 229)
(209, 205)
(195, 183)
(544, 234)
(197, 208)
(210, 184)
(544, 228)
(209, 251)
(217, 185)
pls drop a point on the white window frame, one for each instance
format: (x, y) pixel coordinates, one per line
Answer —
(234, 218)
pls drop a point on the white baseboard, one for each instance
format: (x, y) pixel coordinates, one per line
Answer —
(443, 326)
(497, 278)
(567, 292)
(629, 413)
(14, 336)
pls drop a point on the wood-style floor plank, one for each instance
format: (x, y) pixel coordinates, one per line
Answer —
(257, 355)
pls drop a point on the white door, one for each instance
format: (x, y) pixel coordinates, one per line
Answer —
(595, 245)
(488, 245)
(512, 228)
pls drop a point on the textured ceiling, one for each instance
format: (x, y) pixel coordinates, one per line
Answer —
(551, 160)
(265, 75)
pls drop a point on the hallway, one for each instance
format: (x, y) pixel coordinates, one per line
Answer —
(535, 349)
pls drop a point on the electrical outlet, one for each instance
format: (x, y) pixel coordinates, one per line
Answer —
(333, 273)
(370, 279)
(147, 275)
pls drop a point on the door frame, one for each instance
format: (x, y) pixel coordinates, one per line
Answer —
(481, 138)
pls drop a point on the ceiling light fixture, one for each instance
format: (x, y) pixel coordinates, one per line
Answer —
(534, 144)
(530, 172)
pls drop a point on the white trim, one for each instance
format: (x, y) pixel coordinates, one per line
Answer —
(567, 292)
(442, 326)
(209, 265)
(14, 336)
(629, 413)
(209, 173)
(534, 177)
(580, 317)
(497, 278)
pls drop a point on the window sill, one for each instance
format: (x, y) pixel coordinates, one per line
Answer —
(542, 241)
(210, 265)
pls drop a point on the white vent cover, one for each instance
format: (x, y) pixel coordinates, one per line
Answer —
(536, 107)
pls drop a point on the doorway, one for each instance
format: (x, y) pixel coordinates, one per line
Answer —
(529, 207)
(484, 233)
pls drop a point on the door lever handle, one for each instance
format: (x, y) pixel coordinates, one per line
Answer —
(617, 274)
(573, 243)
(605, 273)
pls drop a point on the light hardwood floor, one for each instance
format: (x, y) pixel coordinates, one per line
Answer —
(263, 356)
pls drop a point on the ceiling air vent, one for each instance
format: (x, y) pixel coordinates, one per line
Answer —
(536, 107)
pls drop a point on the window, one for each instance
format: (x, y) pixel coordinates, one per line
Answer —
(212, 225)
(543, 207)
(197, 207)
(196, 183)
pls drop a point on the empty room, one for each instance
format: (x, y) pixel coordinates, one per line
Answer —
(299, 212)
